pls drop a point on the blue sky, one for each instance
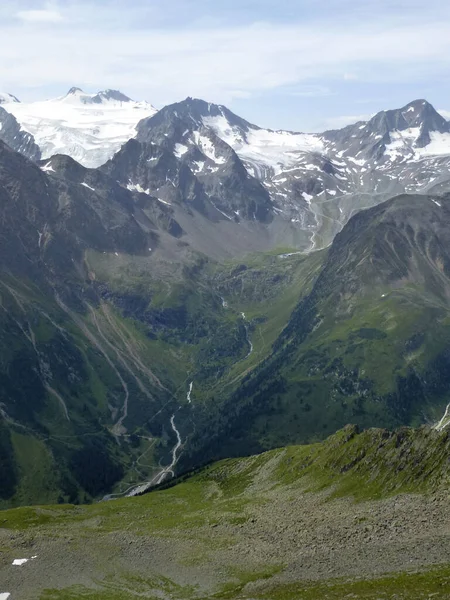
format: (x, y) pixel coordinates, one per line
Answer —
(306, 65)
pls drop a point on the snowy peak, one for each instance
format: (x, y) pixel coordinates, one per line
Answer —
(421, 113)
(77, 96)
(88, 127)
(110, 95)
(263, 151)
(190, 114)
(74, 91)
(402, 134)
(418, 114)
(6, 98)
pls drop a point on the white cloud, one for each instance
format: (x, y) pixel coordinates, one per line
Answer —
(310, 91)
(444, 113)
(39, 16)
(110, 47)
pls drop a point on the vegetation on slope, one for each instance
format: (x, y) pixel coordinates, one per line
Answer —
(360, 513)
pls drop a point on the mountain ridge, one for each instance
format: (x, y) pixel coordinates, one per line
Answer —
(304, 187)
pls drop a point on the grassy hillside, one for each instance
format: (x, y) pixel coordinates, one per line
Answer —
(125, 359)
(359, 515)
(107, 370)
(368, 343)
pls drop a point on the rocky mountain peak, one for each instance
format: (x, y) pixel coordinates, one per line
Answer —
(417, 114)
(189, 115)
(114, 95)
(74, 91)
(6, 98)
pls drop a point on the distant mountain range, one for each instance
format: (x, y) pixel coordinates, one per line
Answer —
(301, 188)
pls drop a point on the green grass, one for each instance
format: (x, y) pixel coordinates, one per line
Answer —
(367, 466)
(433, 583)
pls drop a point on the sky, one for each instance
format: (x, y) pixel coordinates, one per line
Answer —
(303, 65)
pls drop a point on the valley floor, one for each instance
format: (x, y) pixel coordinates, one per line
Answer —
(244, 535)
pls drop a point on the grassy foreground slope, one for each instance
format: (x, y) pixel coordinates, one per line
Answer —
(361, 515)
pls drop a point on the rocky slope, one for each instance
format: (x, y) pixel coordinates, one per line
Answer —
(362, 515)
(69, 363)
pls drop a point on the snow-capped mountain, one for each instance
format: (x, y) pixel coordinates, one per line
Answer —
(6, 98)
(287, 188)
(306, 186)
(88, 127)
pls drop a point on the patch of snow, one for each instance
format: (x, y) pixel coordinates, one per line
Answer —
(276, 149)
(332, 192)
(136, 187)
(88, 186)
(438, 146)
(163, 201)
(401, 142)
(221, 211)
(208, 149)
(18, 562)
(289, 254)
(198, 166)
(359, 162)
(47, 167)
(437, 203)
(180, 150)
(307, 197)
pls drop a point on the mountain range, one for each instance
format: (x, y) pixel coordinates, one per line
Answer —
(284, 188)
(211, 288)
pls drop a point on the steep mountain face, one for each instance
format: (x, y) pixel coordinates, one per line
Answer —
(88, 127)
(75, 380)
(223, 209)
(308, 184)
(12, 134)
(369, 344)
